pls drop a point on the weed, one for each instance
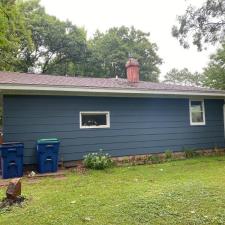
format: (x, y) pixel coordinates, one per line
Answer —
(168, 155)
(190, 153)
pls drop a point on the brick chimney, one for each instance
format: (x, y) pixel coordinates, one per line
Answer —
(132, 67)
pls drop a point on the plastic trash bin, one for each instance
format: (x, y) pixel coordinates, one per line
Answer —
(47, 151)
(11, 159)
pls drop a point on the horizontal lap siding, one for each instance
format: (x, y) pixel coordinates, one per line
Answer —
(138, 126)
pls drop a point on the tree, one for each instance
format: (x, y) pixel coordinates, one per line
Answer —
(214, 73)
(109, 52)
(183, 77)
(13, 33)
(205, 24)
(1, 117)
(56, 43)
(42, 43)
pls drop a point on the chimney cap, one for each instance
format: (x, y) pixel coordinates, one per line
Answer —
(132, 62)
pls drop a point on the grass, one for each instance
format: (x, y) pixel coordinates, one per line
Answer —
(178, 192)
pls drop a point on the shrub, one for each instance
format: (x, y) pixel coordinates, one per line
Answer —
(98, 160)
(190, 153)
(154, 158)
(168, 154)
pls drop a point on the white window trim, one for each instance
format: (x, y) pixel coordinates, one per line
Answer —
(190, 114)
(107, 113)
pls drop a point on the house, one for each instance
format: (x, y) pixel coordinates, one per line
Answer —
(121, 116)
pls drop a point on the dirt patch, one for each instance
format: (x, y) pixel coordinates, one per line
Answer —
(41, 175)
(6, 203)
(3, 184)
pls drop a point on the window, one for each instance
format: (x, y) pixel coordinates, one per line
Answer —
(94, 120)
(197, 112)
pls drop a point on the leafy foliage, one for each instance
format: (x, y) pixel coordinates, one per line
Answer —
(33, 41)
(56, 43)
(214, 73)
(205, 24)
(13, 34)
(183, 77)
(168, 154)
(110, 51)
(1, 115)
(190, 153)
(98, 160)
(154, 158)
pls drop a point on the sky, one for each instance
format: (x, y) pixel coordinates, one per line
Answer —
(154, 16)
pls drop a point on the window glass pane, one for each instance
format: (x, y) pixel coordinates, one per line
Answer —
(197, 117)
(197, 112)
(94, 119)
(196, 106)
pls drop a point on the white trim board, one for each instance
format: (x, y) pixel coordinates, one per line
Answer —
(89, 91)
(107, 113)
(203, 113)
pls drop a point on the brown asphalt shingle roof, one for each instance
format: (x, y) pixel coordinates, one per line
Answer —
(88, 82)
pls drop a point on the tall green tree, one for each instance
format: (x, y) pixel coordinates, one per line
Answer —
(214, 73)
(33, 41)
(183, 77)
(109, 52)
(202, 25)
(56, 43)
(13, 33)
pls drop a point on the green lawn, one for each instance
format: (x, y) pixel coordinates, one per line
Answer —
(178, 192)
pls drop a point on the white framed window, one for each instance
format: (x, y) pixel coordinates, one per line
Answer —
(92, 119)
(197, 112)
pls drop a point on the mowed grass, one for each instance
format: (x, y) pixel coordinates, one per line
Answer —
(178, 192)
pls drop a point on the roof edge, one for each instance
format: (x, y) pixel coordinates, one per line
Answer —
(62, 90)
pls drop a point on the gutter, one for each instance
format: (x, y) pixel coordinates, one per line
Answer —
(7, 89)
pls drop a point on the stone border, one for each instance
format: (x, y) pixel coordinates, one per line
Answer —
(152, 158)
(161, 157)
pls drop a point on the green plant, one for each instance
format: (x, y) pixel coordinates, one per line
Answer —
(154, 158)
(1, 114)
(190, 152)
(168, 154)
(98, 160)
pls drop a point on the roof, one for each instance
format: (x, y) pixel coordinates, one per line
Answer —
(18, 81)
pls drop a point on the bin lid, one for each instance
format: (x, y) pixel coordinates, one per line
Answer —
(11, 144)
(47, 140)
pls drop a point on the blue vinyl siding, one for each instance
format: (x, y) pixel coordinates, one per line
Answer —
(138, 125)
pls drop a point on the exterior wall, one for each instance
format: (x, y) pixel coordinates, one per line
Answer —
(138, 126)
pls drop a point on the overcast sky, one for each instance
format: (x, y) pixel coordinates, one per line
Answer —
(154, 16)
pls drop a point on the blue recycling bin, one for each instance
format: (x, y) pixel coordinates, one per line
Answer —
(11, 159)
(47, 151)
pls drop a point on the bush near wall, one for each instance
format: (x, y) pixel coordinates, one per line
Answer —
(97, 160)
